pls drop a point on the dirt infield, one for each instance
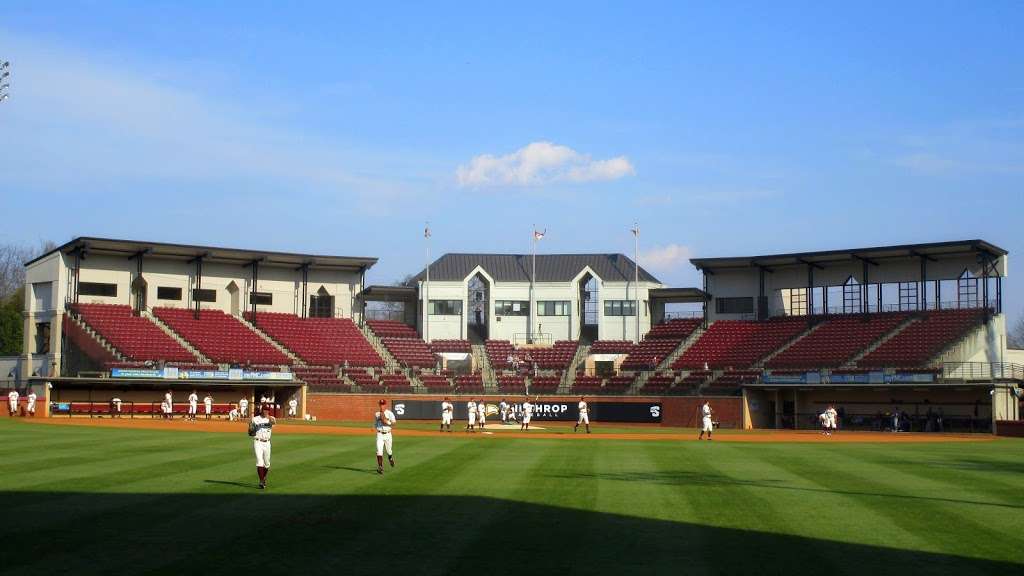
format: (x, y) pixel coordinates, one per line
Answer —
(765, 436)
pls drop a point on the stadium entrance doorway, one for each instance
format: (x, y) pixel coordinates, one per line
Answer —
(479, 297)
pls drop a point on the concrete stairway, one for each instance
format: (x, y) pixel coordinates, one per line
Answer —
(389, 360)
(177, 338)
(578, 361)
(295, 359)
(97, 337)
(481, 360)
(852, 362)
(760, 363)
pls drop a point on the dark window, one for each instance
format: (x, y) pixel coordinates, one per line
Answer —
(511, 307)
(96, 289)
(42, 338)
(553, 308)
(204, 295)
(168, 293)
(321, 306)
(446, 307)
(741, 305)
(620, 308)
(261, 298)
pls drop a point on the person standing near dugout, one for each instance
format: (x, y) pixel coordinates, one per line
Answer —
(446, 414)
(259, 428)
(383, 420)
(706, 424)
(12, 402)
(584, 417)
(31, 408)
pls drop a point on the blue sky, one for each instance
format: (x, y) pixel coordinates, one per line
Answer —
(723, 128)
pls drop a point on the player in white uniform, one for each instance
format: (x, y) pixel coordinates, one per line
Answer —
(383, 420)
(193, 405)
(12, 402)
(208, 405)
(234, 414)
(168, 406)
(115, 407)
(527, 414)
(833, 418)
(243, 407)
(471, 408)
(31, 408)
(293, 408)
(259, 427)
(481, 413)
(823, 419)
(584, 416)
(503, 410)
(706, 423)
(447, 409)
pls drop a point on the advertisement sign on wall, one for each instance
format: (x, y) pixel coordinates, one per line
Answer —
(639, 412)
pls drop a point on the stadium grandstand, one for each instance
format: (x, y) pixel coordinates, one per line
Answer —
(914, 327)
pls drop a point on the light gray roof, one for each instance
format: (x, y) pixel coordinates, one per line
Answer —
(550, 267)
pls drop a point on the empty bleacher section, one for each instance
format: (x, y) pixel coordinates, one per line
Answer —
(85, 342)
(558, 357)
(587, 385)
(659, 343)
(135, 337)
(739, 344)
(469, 384)
(612, 347)
(924, 339)
(511, 384)
(618, 385)
(319, 341)
(322, 378)
(392, 329)
(396, 383)
(365, 381)
(411, 352)
(837, 340)
(438, 346)
(436, 384)
(657, 385)
(499, 352)
(220, 337)
(544, 384)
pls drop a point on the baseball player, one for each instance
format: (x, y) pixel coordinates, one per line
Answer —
(447, 410)
(823, 419)
(833, 418)
(115, 407)
(31, 408)
(383, 420)
(168, 406)
(243, 407)
(12, 402)
(193, 405)
(527, 414)
(293, 407)
(208, 405)
(481, 413)
(503, 410)
(259, 429)
(706, 424)
(471, 407)
(234, 414)
(584, 416)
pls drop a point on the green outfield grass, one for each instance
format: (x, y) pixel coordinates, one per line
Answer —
(90, 500)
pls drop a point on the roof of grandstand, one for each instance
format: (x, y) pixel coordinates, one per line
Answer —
(679, 294)
(188, 252)
(934, 249)
(550, 267)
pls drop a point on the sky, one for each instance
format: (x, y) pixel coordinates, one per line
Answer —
(721, 128)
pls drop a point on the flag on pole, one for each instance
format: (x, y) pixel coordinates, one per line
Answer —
(539, 235)
(635, 230)
(426, 231)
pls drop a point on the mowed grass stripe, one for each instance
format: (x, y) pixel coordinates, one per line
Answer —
(879, 489)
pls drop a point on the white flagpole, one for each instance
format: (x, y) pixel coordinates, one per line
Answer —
(533, 281)
(636, 275)
(426, 288)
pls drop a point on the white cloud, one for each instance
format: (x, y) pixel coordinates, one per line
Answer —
(540, 163)
(666, 258)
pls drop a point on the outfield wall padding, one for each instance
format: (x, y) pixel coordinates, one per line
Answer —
(674, 410)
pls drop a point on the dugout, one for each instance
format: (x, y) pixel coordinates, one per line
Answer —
(91, 397)
(936, 407)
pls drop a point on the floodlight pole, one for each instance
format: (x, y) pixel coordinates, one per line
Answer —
(533, 280)
(636, 276)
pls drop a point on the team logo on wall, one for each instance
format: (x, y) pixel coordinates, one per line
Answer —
(489, 410)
